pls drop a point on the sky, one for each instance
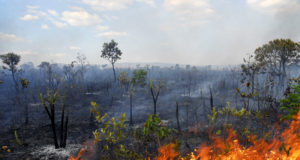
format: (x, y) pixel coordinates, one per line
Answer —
(196, 32)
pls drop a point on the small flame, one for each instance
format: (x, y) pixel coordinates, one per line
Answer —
(167, 152)
(284, 147)
(88, 149)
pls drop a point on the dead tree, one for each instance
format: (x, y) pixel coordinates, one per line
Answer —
(155, 89)
(49, 103)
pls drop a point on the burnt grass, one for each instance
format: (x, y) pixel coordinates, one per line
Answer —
(36, 137)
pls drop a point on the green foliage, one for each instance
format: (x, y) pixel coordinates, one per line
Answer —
(157, 85)
(17, 139)
(227, 111)
(11, 60)
(291, 103)
(111, 132)
(48, 99)
(286, 49)
(139, 77)
(153, 126)
(49, 103)
(287, 151)
(246, 95)
(111, 51)
(276, 55)
(258, 114)
(24, 82)
(218, 132)
(112, 136)
(213, 116)
(233, 111)
(154, 134)
(124, 79)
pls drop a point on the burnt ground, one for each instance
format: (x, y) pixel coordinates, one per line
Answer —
(36, 137)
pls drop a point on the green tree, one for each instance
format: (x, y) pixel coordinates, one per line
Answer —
(11, 61)
(112, 53)
(291, 103)
(139, 77)
(130, 84)
(124, 80)
(276, 55)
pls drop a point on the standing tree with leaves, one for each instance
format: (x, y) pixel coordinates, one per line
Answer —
(130, 84)
(124, 81)
(11, 61)
(112, 53)
(250, 70)
(276, 55)
(138, 79)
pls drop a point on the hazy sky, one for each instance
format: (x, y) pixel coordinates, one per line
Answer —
(197, 32)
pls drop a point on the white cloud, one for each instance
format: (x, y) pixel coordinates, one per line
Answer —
(57, 23)
(74, 48)
(149, 2)
(80, 18)
(44, 26)
(34, 10)
(52, 12)
(190, 11)
(27, 53)
(112, 34)
(9, 37)
(110, 17)
(29, 17)
(59, 54)
(37, 14)
(275, 6)
(101, 5)
(101, 28)
(32, 7)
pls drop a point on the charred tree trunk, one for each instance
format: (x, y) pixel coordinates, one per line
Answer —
(211, 99)
(52, 117)
(131, 122)
(64, 143)
(91, 119)
(26, 107)
(26, 114)
(177, 117)
(113, 67)
(15, 81)
(187, 116)
(62, 126)
(154, 107)
(154, 98)
(112, 101)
